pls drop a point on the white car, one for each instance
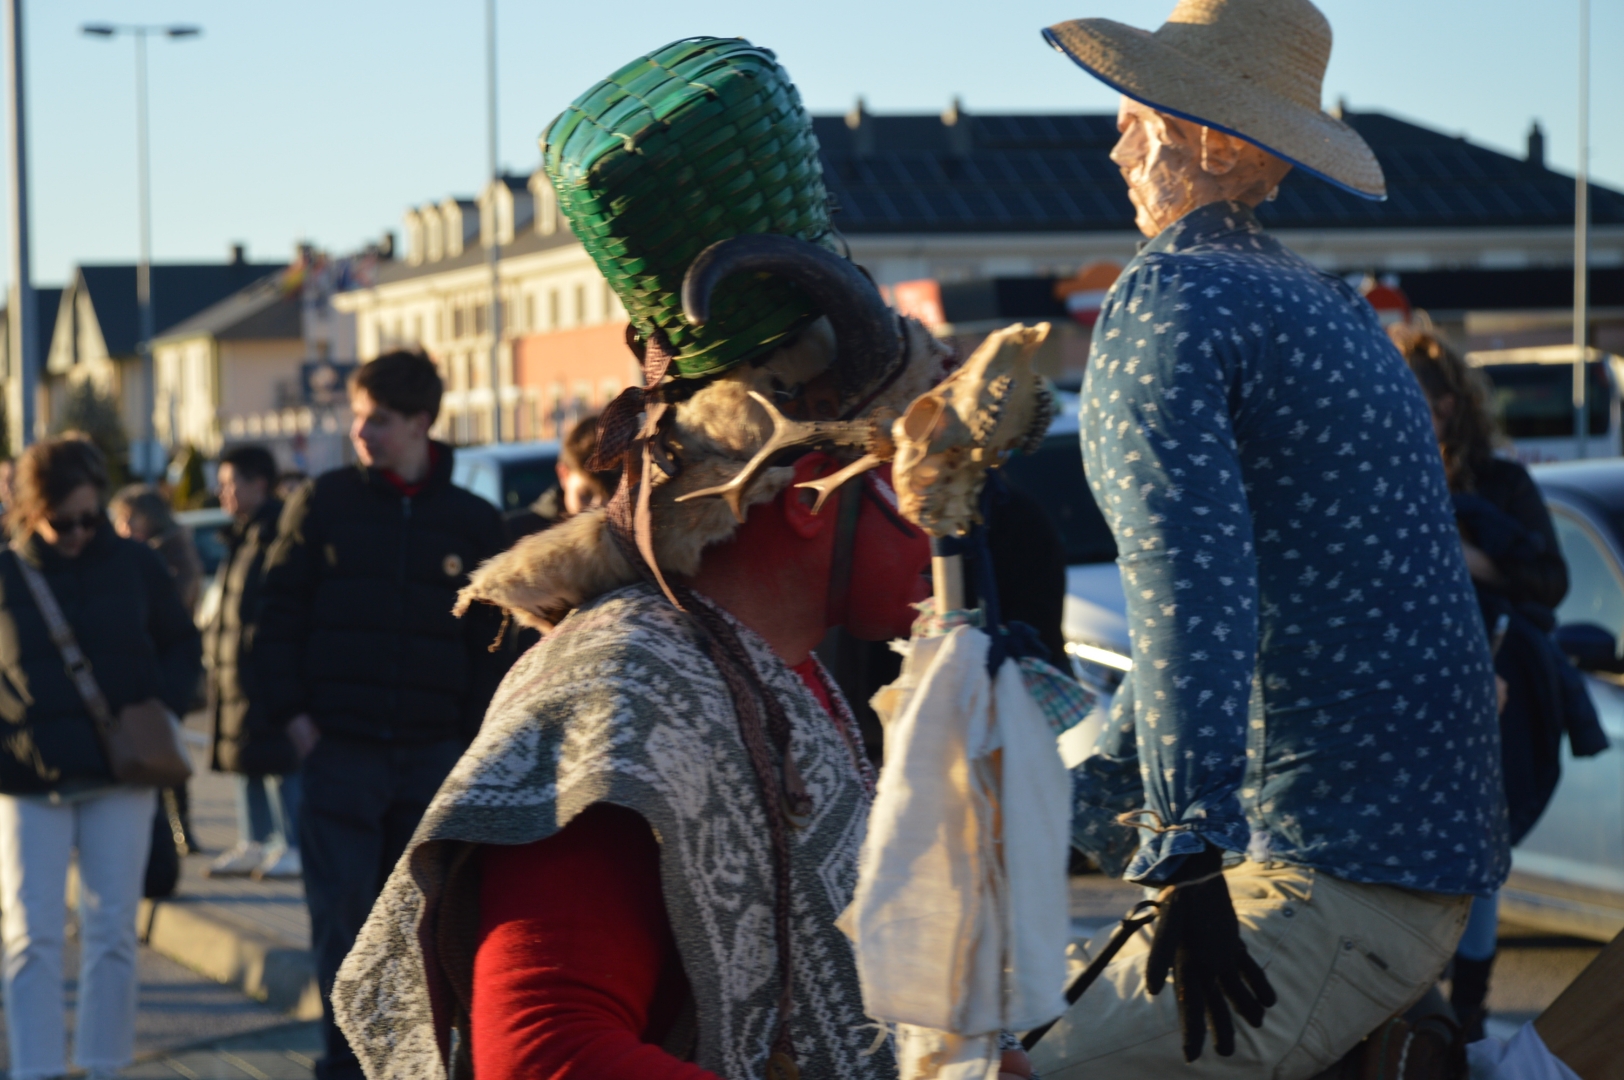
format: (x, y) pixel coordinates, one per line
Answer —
(1568, 873)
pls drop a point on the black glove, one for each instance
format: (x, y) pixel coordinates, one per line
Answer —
(1198, 938)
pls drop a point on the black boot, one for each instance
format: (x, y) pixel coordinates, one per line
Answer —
(1468, 990)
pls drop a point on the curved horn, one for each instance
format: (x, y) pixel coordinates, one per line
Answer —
(869, 346)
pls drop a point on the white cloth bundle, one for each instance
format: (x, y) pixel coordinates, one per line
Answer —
(960, 918)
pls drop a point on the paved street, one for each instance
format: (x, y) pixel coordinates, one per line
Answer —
(180, 1008)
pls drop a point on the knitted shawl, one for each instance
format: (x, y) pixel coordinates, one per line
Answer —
(620, 704)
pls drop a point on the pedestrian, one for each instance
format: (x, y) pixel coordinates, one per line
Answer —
(358, 657)
(635, 872)
(578, 487)
(1306, 743)
(57, 793)
(258, 754)
(141, 513)
(1520, 577)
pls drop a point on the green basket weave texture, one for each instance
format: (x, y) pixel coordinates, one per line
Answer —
(700, 141)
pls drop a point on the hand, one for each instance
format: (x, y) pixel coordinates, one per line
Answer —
(1199, 940)
(1480, 566)
(1015, 1065)
(304, 734)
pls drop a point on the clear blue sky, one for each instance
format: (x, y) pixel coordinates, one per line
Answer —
(298, 119)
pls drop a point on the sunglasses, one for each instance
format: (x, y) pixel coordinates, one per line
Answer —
(87, 522)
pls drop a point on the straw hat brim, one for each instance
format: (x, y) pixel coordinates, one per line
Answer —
(1133, 62)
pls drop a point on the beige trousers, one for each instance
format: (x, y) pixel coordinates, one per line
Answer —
(1342, 958)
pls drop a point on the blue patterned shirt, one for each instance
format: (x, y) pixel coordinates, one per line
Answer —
(1311, 680)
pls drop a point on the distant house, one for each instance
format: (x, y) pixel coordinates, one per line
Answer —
(264, 365)
(46, 302)
(981, 220)
(98, 324)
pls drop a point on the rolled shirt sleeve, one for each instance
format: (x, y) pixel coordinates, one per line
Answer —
(1162, 458)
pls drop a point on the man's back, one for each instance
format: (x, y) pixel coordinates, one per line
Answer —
(1305, 633)
(357, 628)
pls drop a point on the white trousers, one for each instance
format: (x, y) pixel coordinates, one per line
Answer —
(112, 834)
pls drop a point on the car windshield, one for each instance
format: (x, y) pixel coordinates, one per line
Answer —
(1054, 477)
(523, 482)
(1535, 401)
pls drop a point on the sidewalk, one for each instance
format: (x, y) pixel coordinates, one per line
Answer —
(285, 1052)
(248, 934)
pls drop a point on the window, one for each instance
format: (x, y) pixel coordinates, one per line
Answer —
(417, 329)
(530, 311)
(580, 305)
(609, 300)
(439, 324)
(457, 320)
(1595, 590)
(1535, 401)
(481, 318)
(553, 313)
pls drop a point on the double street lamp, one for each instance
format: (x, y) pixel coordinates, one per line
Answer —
(149, 465)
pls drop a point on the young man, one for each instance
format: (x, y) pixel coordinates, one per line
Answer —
(634, 873)
(245, 742)
(1311, 685)
(377, 684)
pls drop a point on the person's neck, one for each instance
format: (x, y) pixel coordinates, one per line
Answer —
(784, 602)
(414, 465)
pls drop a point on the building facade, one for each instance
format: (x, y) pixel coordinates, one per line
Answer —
(991, 218)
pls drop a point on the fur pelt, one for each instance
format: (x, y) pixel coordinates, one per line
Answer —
(715, 433)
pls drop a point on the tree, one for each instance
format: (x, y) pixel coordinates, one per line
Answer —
(95, 415)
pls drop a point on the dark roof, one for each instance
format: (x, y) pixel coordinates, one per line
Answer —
(46, 303)
(1042, 173)
(179, 291)
(262, 311)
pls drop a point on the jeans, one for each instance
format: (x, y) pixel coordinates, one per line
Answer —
(1482, 935)
(362, 802)
(268, 809)
(112, 833)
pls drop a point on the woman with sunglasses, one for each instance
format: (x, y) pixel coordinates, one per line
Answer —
(57, 794)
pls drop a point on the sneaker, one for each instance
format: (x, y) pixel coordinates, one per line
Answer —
(240, 861)
(279, 864)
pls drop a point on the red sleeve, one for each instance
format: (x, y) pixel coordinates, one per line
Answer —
(573, 944)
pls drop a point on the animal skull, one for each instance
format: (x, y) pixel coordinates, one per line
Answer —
(951, 435)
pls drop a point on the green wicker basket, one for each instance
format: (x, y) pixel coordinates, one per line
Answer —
(697, 142)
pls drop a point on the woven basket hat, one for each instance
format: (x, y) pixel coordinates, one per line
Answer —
(1251, 68)
(697, 142)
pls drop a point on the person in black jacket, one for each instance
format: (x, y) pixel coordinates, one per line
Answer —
(1520, 576)
(359, 657)
(259, 753)
(57, 793)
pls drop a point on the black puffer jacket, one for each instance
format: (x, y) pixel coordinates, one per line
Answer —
(122, 605)
(244, 739)
(356, 626)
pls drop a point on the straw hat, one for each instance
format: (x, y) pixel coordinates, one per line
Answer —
(1251, 68)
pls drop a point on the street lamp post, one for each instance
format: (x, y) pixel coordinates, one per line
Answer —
(143, 266)
(493, 253)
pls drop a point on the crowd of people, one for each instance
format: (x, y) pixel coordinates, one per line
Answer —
(570, 791)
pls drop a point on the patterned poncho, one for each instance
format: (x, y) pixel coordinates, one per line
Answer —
(620, 704)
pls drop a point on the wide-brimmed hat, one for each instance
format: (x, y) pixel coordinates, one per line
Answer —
(1250, 68)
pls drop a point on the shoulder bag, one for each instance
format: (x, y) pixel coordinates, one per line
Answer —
(143, 743)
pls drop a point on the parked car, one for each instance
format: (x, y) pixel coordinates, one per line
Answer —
(1568, 873)
(1531, 392)
(509, 476)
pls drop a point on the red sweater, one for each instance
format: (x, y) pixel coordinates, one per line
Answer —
(577, 975)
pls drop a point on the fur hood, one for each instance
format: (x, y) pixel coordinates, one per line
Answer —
(715, 433)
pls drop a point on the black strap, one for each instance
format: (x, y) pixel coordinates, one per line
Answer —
(1142, 913)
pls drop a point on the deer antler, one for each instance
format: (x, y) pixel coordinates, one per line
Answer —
(788, 433)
